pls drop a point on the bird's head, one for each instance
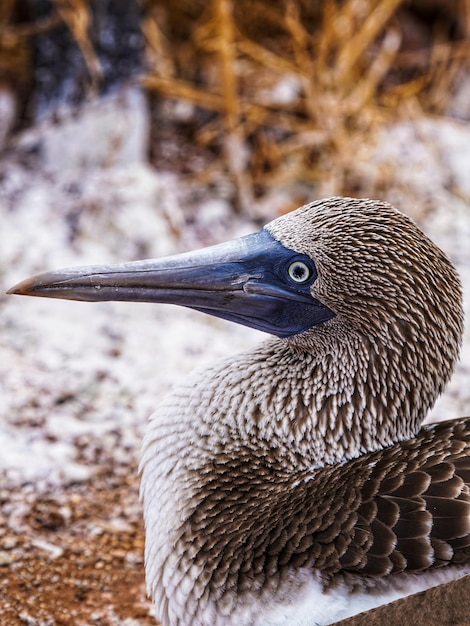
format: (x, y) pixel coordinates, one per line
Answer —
(376, 269)
(360, 262)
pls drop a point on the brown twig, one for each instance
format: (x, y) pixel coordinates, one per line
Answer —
(77, 15)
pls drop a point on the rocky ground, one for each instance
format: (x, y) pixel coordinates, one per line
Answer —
(78, 381)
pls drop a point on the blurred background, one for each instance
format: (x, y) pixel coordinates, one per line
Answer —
(136, 129)
(267, 104)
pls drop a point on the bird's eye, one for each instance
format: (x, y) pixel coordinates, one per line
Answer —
(299, 271)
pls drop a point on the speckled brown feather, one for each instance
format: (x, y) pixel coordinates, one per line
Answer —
(406, 508)
(305, 454)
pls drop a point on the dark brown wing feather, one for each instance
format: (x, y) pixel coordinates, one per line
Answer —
(405, 508)
(428, 503)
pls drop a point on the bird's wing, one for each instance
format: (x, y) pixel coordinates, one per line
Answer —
(413, 509)
(405, 508)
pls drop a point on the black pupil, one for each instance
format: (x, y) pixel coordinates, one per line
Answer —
(299, 271)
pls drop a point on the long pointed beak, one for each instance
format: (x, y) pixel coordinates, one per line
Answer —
(238, 280)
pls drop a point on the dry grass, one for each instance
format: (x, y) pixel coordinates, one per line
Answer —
(350, 65)
(294, 88)
(17, 33)
(77, 15)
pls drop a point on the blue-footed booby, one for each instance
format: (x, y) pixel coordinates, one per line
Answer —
(294, 485)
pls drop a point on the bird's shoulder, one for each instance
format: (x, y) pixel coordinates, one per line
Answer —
(405, 508)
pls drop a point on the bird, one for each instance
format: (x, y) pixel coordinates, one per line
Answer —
(295, 483)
